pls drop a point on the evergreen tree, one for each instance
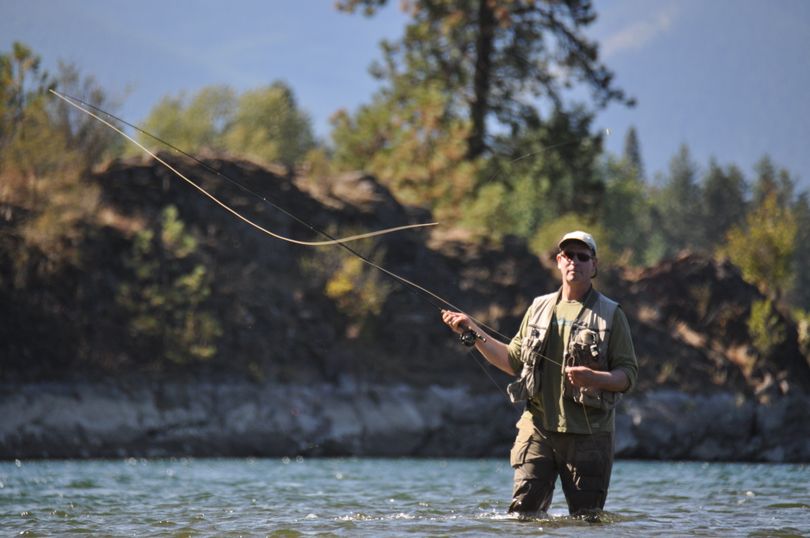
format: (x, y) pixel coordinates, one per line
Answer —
(21, 82)
(417, 150)
(166, 297)
(770, 181)
(678, 205)
(724, 203)
(632, 153)
(466, 68)
(625, 213)
(491, 55)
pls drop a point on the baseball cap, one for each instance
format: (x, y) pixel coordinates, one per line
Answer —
(580, 236)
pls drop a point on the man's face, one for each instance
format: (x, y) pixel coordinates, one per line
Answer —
(576, 263)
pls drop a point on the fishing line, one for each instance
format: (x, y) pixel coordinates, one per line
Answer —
(427, 295)
(430, 296)
(532, 154)
(331, 240)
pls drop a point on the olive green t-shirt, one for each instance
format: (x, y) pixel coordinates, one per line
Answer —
(551, 408)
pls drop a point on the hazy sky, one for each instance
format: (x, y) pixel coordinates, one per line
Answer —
(730, 78)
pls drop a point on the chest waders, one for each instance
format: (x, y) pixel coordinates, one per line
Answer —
(587, 345)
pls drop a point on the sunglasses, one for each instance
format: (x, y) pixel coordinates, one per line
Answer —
(581, 256)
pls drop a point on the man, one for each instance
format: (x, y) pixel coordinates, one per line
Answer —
(574, 356)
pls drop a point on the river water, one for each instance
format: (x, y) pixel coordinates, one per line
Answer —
(386, 497)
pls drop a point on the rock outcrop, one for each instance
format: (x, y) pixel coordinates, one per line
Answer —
(82, 420)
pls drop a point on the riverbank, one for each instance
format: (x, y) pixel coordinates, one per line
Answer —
(233, 419)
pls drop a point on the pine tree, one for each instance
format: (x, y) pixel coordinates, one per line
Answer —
(723, 204)
(632, 152)
(678, 204)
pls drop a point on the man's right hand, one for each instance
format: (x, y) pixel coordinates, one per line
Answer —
(458, 321)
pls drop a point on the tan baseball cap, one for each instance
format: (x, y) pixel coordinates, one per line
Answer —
(582, 237)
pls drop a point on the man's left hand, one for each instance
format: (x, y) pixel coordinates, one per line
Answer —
(580, 376)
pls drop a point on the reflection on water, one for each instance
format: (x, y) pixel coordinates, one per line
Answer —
(374, 497)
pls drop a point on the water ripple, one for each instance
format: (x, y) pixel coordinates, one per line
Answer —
(359, 497)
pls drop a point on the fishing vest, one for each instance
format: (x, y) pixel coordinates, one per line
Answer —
(587, 346)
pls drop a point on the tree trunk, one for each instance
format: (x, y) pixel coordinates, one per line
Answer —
(483, 70)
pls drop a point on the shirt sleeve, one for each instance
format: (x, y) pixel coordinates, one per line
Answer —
(621, 353)
(515, 344)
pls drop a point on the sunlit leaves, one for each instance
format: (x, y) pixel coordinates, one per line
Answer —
(763, 248)
(264, 124)
(194, 124)
(269, 127)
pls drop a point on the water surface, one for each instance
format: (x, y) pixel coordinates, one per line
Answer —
(386, 497)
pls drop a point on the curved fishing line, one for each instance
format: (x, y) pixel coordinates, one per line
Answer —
(330, 241)
(429, 295)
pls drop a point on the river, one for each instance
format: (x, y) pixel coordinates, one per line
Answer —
(293, 497)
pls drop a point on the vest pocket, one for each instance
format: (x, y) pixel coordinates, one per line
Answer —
(533, 341)
(599, 399)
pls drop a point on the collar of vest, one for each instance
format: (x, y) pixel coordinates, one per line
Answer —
(589, 301)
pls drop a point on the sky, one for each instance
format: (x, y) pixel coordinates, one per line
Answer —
(728, 78)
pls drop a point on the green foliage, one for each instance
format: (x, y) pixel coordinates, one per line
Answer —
(53, 235)
(545, 173)
(626, 211)
(802, 318)
(546, 238)
(770, 181)
(799, 294)
(195, 124)
(166, 297)
(44, 153)
(317, 166)
(24, 120)
(766, 330)
(358, 290)
(40, 134)
(417, 150)
(763, 248)
(269, 127)
(21, 82)
(36, 149)
(724, 202)
(490, 213)
(263, 124)
(93, 141)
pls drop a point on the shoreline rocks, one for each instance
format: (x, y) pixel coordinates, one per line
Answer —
(237, 419)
